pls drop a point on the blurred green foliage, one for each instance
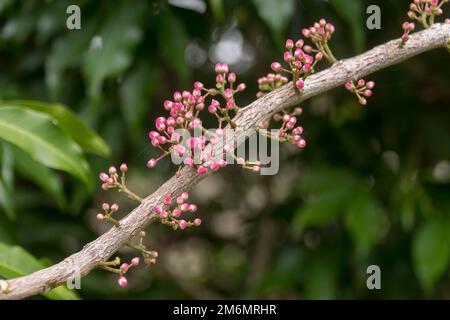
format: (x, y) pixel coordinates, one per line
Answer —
(373, 186)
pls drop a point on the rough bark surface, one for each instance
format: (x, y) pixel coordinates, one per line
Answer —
(247, 119)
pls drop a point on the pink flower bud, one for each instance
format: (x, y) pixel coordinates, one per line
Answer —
(222, 163)
(198, 222)
(185, 195)
(183, 224)
(188, 161)
(112, 170)
(241, 87)
(123, 282)
(302, 143)
(348, 86)
(151, 163)
(289, 44)
(198, 85)
(184, 207)
(158, 208)
(114, 207)
(103, 176)
(167, 199)
(299, 84)
(232, 77)
(100, 216)
(214, 166)
(362, 101)
(163, 214)
(361, 82)
(307, 49)
(176, 213)
(193, 208)
(124, 267)
(202, 170)
(105, 207)
(135, 261)
(306, 32)
(287, 56)
(299, 43)
(370, 84)
(276, 67)
(123, 167)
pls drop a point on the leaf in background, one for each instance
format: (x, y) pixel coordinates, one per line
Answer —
(69, 122)
(7, 180)
(217, 9)
(328, 190)
(111, 50)
(19, 27)
(276, 15)
(363, 220)
(67, 52)
(45, 142)
(352, 12)
(320, 211)
(40, 175)
(135, 93)
(5, 4)
(16, 262)
(173, 48)
(431, 252)
(321, 282)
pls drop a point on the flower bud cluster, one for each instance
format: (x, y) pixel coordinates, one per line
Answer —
(425, 11)
(171, 212)
(184, 117)
(290, 130)
(361, 89)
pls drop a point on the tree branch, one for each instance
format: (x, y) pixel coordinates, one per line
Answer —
(247, 119)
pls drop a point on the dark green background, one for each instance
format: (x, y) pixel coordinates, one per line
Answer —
(372, 187)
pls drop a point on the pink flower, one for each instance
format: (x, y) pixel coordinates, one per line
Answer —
(167, 199)
(299, 84)
(123, 167)
(183, 224)
(135, 261)
(151, 163)
(176, 213)
(202, 170)
(123, 282)
(276, 66)
(198, 222)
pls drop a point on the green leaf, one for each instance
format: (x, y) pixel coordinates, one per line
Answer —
(431, 251)
(352, 11)
(172, 48)
(276, 15)
(65, 53)
(363, 220)
(217, 9)
(7, 180)
(40, 175)
(111, 50)
(320, 211)
(37, 134)
(16, 262)
(68, 121)
(135, 92)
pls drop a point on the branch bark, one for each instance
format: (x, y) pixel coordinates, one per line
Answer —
(247, 119)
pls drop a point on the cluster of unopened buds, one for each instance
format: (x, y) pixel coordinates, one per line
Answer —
(177, 135)
(423, 11)
(170, 212)
(361, 89)
(116, 267)
(112, 180)
(108, 212)
(303, 58)
(289, 131)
